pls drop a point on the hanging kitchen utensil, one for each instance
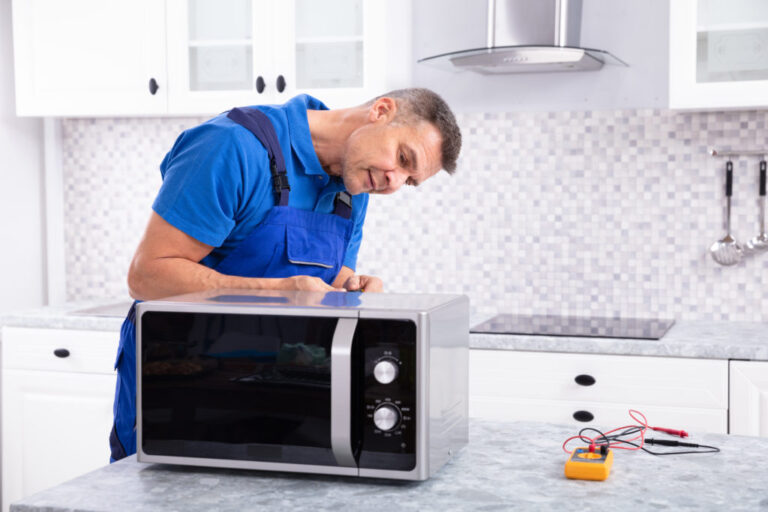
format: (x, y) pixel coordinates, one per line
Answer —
(727, 251)
(760, 242)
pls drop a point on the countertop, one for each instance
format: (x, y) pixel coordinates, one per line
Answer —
(691, 339)
(505, 466)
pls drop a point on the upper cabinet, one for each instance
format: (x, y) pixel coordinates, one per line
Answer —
(91, 57)
(183, 57)
(718, 54)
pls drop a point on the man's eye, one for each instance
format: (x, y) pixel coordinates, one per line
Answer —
(402, 159)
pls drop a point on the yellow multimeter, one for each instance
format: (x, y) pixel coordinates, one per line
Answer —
(586, 465)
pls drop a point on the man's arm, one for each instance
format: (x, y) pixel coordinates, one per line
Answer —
(166, 263)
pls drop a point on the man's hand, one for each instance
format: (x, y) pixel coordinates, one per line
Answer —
(357, 283)
(307, 283)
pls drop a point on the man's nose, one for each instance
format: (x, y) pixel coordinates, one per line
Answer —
(395, 179)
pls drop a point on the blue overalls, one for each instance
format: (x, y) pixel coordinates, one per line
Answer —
(286, 243)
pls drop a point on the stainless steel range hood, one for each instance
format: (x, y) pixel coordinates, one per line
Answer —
(527, 36)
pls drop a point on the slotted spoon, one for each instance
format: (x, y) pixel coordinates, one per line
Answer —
(727, 251)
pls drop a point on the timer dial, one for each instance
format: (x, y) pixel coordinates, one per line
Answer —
(386, 417)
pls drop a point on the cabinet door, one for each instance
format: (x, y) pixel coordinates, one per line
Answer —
(329, 49)
(718, 54)
(250, 52)
(55, 427)
(220, 54)
(89, 57)
(749, 398)
(598, 390)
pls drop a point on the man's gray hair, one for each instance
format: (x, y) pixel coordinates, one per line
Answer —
(424, 105)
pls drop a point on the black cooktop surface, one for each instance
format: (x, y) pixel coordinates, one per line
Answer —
(592, 327)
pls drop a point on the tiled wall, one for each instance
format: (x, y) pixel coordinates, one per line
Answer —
(584, 213)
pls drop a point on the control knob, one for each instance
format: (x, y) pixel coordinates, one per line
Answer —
(386, 417)
(385, 371)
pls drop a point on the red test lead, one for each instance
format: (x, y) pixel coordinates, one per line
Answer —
(678, 433)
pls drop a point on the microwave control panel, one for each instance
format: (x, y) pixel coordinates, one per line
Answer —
(388, 425)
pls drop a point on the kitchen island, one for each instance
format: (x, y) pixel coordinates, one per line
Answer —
(514, 465)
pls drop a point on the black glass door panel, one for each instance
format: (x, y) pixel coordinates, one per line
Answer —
(242, 387)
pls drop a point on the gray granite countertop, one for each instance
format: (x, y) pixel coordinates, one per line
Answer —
(693, 339)
(505, 466)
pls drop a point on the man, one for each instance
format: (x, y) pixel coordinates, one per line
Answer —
(274, 197)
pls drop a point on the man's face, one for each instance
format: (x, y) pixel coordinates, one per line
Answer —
(382, 155)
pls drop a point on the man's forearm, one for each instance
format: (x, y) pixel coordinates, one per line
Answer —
(164, 277)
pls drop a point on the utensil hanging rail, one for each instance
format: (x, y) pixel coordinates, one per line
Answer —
(731, 153)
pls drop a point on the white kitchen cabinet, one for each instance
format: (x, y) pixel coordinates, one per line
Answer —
(89, 57)
(749, 398)
(182, 57)
(678, 393)
(718, 54)
(266, 51)
(56, 411)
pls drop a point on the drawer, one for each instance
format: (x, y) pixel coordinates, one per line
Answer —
(604, 416)
(639, 381)
(33, 349)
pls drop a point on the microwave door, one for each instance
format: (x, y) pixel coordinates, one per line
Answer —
(264, 388)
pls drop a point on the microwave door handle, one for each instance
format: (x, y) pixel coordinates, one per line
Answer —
(341, 392)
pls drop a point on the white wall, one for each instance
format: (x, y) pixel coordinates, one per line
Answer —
(22, 279)
(635, 31)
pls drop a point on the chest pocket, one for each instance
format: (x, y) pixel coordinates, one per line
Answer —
(305, 248)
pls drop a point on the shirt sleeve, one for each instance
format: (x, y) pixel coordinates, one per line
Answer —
(203, 183)
(350, 258)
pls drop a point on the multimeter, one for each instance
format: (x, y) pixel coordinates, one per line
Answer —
(584, 464)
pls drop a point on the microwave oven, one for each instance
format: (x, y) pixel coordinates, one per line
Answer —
(346, 383)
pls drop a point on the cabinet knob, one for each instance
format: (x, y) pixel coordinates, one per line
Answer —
(153, 87)
(280, 83)
(61, 352)
(583, 416)
(585, 380)
(260, 84)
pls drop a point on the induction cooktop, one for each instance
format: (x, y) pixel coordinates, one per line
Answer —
(591, 327)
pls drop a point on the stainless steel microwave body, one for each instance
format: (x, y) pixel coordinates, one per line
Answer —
(361, 384)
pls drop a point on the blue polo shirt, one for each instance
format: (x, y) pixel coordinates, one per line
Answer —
(217, 186)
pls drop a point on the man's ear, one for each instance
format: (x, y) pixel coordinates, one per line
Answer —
(383, 109)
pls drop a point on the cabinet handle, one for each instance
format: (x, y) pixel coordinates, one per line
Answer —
(585, 380)
(153, 87)
(61, 352)
(260, 84)
(583, 416)
(280, 83)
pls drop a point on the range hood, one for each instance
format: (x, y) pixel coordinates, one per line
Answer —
(526, 36)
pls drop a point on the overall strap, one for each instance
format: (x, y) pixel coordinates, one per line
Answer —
(342, 205)
(261, 127)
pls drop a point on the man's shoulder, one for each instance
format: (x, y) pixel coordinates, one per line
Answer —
(223, 135)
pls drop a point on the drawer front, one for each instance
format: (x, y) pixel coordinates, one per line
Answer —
(604, 416)
(33, 349)
(635, 380)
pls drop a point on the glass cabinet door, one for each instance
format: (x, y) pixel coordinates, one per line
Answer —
(718, 55)
(226, 53)
(217, 50)
(731, 40)
(220, 45)
(329, 44)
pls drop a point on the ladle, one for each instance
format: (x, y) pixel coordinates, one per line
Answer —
(727, 251)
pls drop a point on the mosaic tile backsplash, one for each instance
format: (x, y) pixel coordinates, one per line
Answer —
(606, 213)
